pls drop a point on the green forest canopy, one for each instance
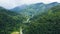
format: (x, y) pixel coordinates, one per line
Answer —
(45, 23)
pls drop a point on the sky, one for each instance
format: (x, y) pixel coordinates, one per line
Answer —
(9, 4)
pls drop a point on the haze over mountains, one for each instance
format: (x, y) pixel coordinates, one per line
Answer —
(34, 9)
(36, 18)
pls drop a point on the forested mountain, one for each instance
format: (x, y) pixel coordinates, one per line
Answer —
(47, 23)
(37, 18)
(33, 9)
(9, 21)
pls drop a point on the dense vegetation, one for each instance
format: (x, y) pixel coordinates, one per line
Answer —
(45, 23)
(9, 21)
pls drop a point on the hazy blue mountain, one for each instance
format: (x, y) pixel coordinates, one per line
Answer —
(33, 9)
(19, 8)
(52, 5)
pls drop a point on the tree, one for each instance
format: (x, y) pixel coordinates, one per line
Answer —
(47, 23)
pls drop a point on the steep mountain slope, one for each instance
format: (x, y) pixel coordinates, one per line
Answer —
(9, 21)
(34, 9)
(48, 23)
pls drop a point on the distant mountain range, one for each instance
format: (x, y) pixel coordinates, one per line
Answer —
(33, 9)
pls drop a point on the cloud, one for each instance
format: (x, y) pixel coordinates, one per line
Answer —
(36, 1)
(7, 3)
(13, 3)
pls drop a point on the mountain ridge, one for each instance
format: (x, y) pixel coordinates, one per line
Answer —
(34, 8)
